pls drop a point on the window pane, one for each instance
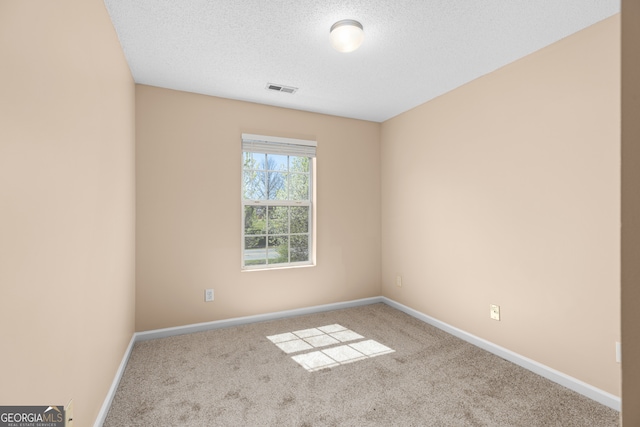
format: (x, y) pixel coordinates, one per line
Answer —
(255, 220)
(298, 164)
(254, 185)
(276, 227)
(278, 186)
(255, 252)
(278, 251)
(254, 160)
(299, 248)
(299, 186)
(278, 220)
(276, 162)
(299, 219)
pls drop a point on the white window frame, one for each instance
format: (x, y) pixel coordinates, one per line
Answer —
(279, 146)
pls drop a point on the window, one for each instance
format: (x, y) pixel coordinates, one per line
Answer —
(277, 201)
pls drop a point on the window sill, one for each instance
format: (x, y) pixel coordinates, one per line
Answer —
(284, 267)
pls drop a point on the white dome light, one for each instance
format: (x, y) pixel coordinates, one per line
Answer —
(346, 35)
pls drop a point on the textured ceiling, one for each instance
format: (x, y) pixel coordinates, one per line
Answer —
(414, 50)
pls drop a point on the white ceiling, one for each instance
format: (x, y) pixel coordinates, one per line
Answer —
(414, 50)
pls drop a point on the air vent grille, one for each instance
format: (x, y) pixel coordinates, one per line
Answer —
(282, 88)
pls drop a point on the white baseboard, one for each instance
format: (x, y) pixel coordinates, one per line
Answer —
(565, 380)
(217, 324)
(102, 415)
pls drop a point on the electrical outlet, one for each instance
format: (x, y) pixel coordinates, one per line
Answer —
(618, 352)
(495, 312)
(208, 295)
(399, 281)
(68, 414)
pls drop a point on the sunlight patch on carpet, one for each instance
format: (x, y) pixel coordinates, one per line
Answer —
(305, 339)
(325, 336)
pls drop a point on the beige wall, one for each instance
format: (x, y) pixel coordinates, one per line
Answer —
(506, 191)
(189, 216)
(630, 212)
(66, 204)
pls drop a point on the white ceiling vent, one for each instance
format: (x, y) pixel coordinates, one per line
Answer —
(281, 88)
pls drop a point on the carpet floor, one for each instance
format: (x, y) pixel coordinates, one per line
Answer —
(365, 366)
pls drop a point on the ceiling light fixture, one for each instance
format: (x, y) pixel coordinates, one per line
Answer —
(346, 35)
